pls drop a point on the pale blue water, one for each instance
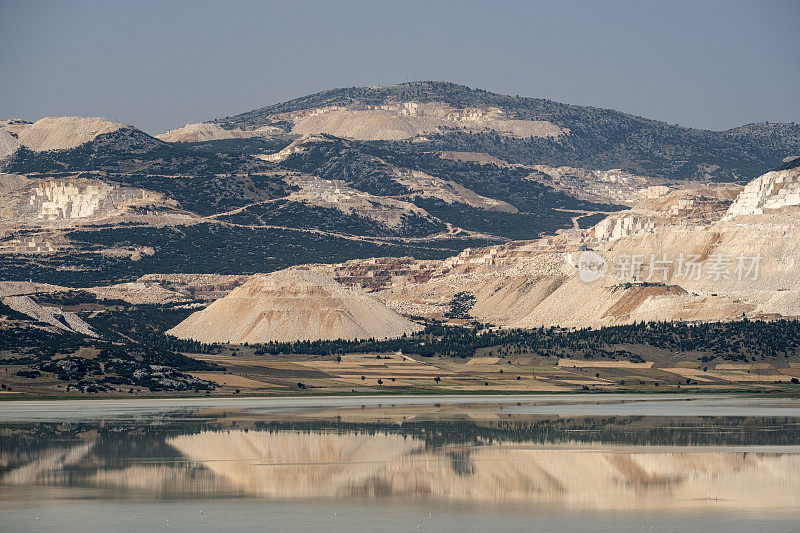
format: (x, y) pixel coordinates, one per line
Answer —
(233, 515)
(456, 463)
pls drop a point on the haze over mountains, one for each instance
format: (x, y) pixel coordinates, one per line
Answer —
(435, 171)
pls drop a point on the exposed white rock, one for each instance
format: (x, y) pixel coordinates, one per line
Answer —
(660, 206)
(294, 147)
(617, 227)
(335, 194)
(772, 191)
(536, 283)
(406, 120)
(57, 200)
(209, 131)
(613, 186)
(64, 320)
(396, 121)
(427, 186)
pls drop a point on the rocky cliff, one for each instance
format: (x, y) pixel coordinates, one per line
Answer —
(768, 193)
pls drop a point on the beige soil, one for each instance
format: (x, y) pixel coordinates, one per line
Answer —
(60, 133)
(293, 305)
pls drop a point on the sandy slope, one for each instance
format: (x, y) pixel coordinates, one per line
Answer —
(207, 131)
(293, 305)
(8, 144)
(60, 133)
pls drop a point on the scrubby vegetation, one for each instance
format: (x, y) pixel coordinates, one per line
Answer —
(206, 248)
(746, 340)
(598, 138)
(301, 215)
(132, 349)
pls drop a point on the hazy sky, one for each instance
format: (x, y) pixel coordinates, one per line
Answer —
(159, 65)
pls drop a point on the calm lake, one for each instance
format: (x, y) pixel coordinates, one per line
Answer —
(446, 463)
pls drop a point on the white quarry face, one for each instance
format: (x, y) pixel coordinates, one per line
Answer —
(59, 200)
(772, 191)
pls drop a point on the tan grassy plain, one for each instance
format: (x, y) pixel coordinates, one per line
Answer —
(574, 363)
(231, 380)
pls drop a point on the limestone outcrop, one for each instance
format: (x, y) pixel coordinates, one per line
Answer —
(72, 199)
(672, 257)
(54, 316)
(389, 212)
(767, 193)
(661, 207)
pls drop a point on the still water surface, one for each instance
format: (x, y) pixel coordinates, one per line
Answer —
(456, 463)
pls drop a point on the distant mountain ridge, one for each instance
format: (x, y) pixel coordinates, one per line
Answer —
(598, 138)
(423, 169)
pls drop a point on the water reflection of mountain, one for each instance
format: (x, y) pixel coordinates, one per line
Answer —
(630, 430)
(290, 464)
(305, 464)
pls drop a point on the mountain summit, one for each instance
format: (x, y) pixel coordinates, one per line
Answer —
(447, 116)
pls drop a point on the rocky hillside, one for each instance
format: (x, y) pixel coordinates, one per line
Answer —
(707, 255)
(421, 169)
(446, 116)
(712, 254)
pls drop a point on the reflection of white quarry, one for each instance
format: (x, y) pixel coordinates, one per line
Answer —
(773, 190)
(289, 464)
(294, 464)
(58, 200)
(45, 468)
